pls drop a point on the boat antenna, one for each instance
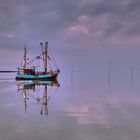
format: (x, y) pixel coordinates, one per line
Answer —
(25, 58)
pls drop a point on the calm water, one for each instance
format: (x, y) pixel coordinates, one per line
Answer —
(86, 106)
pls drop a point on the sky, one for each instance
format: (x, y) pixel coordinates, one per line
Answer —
(77, 31)
(85, 36)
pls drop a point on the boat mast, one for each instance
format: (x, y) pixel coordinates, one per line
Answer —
(44, 49)
(25, 58)
(46, 56)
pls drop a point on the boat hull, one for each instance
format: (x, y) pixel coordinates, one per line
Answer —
(42, 77)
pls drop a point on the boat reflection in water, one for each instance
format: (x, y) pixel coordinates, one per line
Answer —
(31, 90)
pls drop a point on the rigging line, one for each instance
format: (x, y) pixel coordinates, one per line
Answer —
(31, 60)
(50, 65)
(52, 58)
(38, 65)
(21, 62)
(35, 58)
(22, 58)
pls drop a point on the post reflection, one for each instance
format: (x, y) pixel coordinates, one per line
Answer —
(39, 91)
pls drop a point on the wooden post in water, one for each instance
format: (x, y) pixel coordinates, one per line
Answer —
(132, 77)
(109, 76)
(72, 78)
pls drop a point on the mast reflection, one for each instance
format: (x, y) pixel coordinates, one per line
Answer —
(29, 89)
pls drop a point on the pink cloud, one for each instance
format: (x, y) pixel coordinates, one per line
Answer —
(83, 18)
(78, 29)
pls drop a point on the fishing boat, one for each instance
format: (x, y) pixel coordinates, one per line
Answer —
(29, 71)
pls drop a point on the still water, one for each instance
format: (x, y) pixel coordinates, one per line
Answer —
(87, 105)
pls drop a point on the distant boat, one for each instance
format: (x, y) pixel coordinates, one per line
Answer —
(30, 72)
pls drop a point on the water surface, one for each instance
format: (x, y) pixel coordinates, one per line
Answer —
(86, 106)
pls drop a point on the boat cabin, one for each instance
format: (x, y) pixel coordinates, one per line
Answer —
(29, 71)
